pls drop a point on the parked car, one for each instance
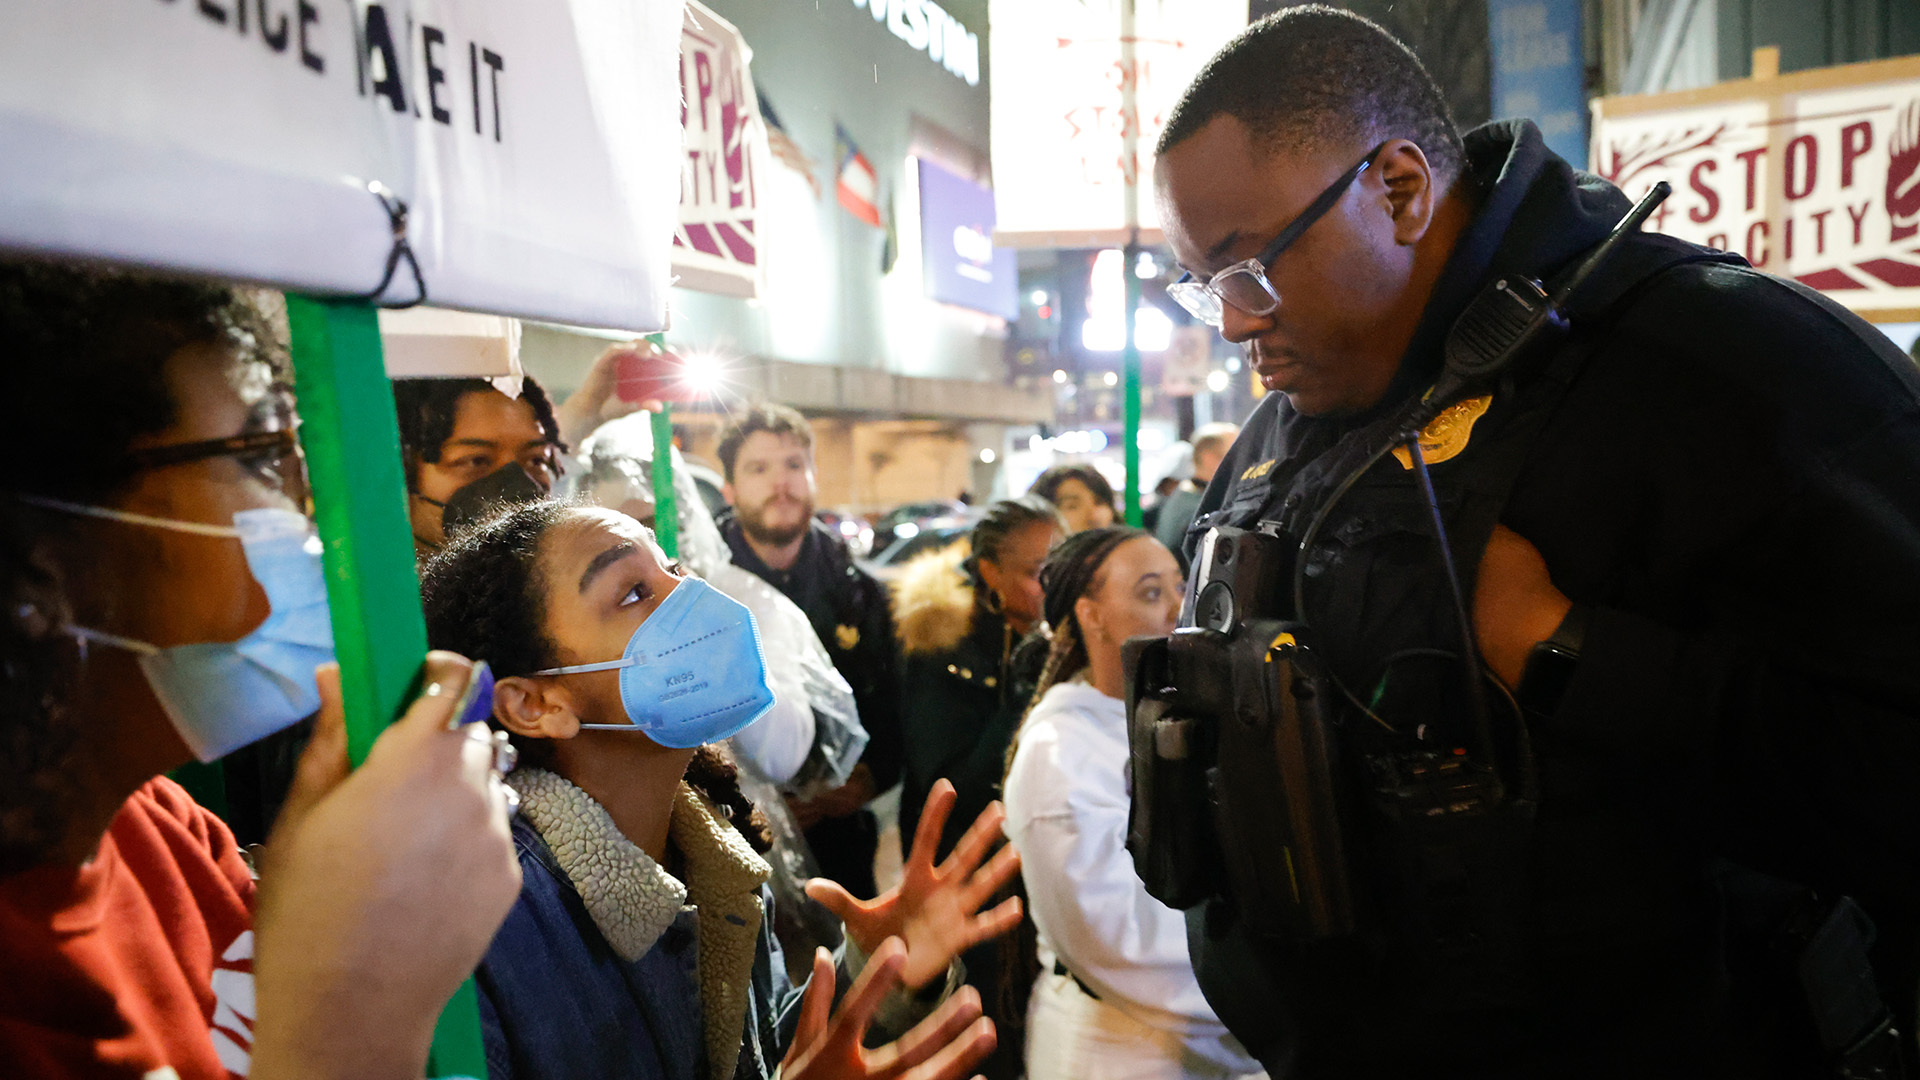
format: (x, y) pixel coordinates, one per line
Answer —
(887, 528)
(854, 530)
(914, 538)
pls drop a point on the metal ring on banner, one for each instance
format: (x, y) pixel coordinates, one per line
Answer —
(396, 209)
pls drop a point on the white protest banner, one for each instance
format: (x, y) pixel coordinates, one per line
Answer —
(1060, 121)
(1813, 175)
(534, 143)
(716, 248)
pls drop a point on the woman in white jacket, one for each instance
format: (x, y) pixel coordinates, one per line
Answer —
(1116, 998)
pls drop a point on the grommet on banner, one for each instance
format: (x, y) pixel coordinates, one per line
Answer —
(396, 209)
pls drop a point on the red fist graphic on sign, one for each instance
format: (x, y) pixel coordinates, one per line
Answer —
(1903, 173)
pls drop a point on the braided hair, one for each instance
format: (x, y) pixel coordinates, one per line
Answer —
(995, 529)
(427, 408)
(485, 598)
(1072, 570)
(84, 375)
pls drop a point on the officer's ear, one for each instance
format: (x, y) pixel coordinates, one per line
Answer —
(1412, 191)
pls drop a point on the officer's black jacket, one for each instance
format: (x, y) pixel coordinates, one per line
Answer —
(1732, 485)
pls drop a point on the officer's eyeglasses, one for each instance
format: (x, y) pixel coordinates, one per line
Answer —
(1245, 284)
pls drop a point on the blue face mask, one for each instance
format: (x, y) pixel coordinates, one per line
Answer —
(693, 673)
(223, 695)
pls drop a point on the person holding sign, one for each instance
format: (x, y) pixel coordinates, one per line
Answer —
(163, 601)
(642, 940)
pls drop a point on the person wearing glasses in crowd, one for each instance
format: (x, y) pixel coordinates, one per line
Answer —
(1688, 538)
(164, 602)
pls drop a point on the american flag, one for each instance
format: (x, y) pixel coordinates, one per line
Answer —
(785, 149)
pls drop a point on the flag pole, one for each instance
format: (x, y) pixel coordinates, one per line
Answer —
(1130, 168)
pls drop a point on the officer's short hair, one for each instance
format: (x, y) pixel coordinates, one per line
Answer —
(1315, 77)
(772, 419)
(1213, 439)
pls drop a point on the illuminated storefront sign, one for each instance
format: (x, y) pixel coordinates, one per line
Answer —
(926, 27)
(962, 265)
(1063, 79)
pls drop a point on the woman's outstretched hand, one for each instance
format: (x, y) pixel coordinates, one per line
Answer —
(944, 1046)
(934, 910)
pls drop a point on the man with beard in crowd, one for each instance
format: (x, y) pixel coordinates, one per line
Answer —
(767, 458)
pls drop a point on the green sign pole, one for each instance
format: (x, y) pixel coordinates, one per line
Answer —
(352, 442)
(666, 507)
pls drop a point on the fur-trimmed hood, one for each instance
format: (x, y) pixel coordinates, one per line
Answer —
(933, 609)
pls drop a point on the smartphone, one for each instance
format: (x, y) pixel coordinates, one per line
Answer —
(652, 376)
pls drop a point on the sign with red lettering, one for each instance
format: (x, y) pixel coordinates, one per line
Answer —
(1069, 86)
(716, 248)
(1813, 176)
(530, 141)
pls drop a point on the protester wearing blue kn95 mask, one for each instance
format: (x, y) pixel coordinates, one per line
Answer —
(693, 673)
(642, 940)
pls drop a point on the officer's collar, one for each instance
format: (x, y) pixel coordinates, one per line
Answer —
(1533, 214)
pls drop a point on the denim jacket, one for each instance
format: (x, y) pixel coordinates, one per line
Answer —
(608, 967)
(598, 969)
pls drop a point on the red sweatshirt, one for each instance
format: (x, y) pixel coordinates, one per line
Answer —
(139, 964)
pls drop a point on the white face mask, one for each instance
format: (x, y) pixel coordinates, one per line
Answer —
(223, 695)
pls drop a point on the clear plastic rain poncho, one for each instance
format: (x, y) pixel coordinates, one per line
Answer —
(812, 739)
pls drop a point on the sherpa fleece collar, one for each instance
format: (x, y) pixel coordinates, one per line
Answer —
(632, 899)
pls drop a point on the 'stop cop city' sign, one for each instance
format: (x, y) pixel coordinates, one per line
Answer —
(1814, 175)
(239, 138)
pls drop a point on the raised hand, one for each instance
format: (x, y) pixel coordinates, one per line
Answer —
(944, 1046)
(934, 910)
(597, 401)
(1903, 173)
(380, 891)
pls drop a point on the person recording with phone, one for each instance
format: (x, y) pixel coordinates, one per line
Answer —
(1594, 567)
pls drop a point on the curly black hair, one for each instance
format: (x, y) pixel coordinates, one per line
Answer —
(427, 408)
(82, 377)
(1071, 571)
(485, 598)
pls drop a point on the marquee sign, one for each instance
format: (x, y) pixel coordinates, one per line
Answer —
(241, 138)
(1062, 81)
(1813, 175)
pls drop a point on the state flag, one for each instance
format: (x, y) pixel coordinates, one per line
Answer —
(858, 186)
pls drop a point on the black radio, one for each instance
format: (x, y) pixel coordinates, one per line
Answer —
(1232, 761)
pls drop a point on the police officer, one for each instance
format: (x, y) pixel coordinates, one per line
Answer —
(1689, 535)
